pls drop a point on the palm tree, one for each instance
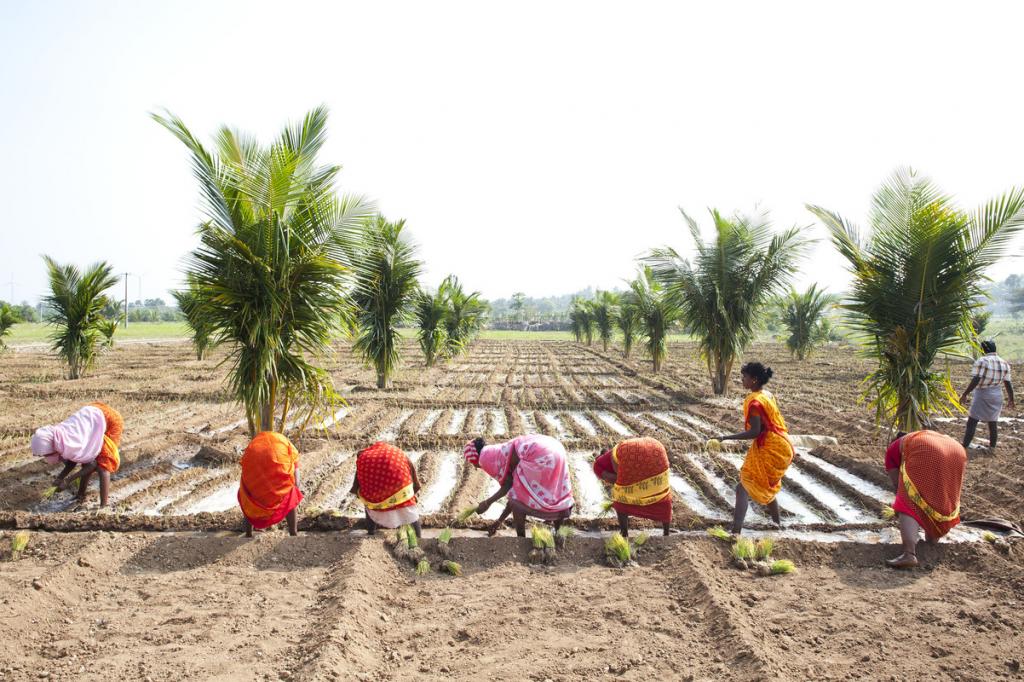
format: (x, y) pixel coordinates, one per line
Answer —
(604, 309)
(732, 278)
(196, 318)
(917, 281)
(270, 271)
(655, 312)
(464, 318)
(802, 316)
(8, 318)
(386, 271)
(107, 327)
(430, 311)
(628, 321)
(76, 303)
(581, 320)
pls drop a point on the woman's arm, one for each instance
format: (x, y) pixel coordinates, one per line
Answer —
(753, 432)
(501, 519)
(506, 485)
(59, 481)
(1009, 391)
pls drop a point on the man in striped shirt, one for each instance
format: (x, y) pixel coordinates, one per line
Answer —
(990, 374)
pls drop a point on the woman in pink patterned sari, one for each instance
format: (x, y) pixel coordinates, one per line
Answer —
(533, 471)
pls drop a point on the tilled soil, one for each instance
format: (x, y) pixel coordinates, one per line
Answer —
(173, 594)
(338, 606)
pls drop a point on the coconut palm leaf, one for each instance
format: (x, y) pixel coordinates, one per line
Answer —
(385, 284)
(802, 316)
(582, 320)
(627, 319)
(76, 302)
(464, 318)
(656, 314)
(429, 311)
(196, 318)
(604, 309)
(917, 281)
(730, 280)
(272, 270)
(8, 318)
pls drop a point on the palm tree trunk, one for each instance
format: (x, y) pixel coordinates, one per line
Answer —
(284, 411)
(719, 381)
(382, 379)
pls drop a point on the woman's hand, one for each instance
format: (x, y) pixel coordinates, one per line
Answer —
(492, 529)
(59, 483)
(483, 507)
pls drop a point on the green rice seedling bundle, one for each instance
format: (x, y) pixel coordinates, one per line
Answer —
(49, 493)
(713, 445)
(606, 506)
(888, 513)
(641, 540)
(763, 549)
(444, 539)
(989, 536)
(451, 568)
(565, 531)
(783, 567)
(617, 550)
(543, 545)
(742, 553)
(412, 543)
(314, 511)
(719, 533)
(466, 513)
(18, 544)
(423, 567)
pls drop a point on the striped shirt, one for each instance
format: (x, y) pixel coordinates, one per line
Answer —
(991, 370)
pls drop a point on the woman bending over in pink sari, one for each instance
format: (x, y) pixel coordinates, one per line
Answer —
(533, 471)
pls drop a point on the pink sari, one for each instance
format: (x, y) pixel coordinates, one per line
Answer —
(540, 482)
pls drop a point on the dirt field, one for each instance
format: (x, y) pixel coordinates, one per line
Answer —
(196, 601)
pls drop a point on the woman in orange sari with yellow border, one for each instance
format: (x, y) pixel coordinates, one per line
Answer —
(771, 451)
(637, 471)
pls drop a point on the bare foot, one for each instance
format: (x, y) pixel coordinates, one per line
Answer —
(903, 561)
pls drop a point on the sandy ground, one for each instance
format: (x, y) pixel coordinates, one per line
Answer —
(196, 601)
(337, 606)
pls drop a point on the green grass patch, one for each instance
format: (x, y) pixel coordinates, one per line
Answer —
(37, 332)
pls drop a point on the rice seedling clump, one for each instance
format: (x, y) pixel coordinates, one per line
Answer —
(451, 568)
(618, 551)
(783, 567)
(18, 544)
(719, 533)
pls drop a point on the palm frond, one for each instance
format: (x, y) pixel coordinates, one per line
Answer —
(917, 283)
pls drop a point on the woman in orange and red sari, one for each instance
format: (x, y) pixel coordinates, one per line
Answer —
(387, 483)
(637, 471)
(770, 452)
(927, 471)
(91, 437)
(269, 491)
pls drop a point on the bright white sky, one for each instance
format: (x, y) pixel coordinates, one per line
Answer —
(532, 146)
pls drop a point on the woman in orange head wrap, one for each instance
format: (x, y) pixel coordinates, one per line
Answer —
(269, 490)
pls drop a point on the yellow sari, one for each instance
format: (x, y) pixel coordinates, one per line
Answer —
(770, 454)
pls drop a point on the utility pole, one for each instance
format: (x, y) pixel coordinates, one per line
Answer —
(126, 298)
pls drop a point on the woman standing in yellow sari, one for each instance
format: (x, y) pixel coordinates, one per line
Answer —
(771, 451)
